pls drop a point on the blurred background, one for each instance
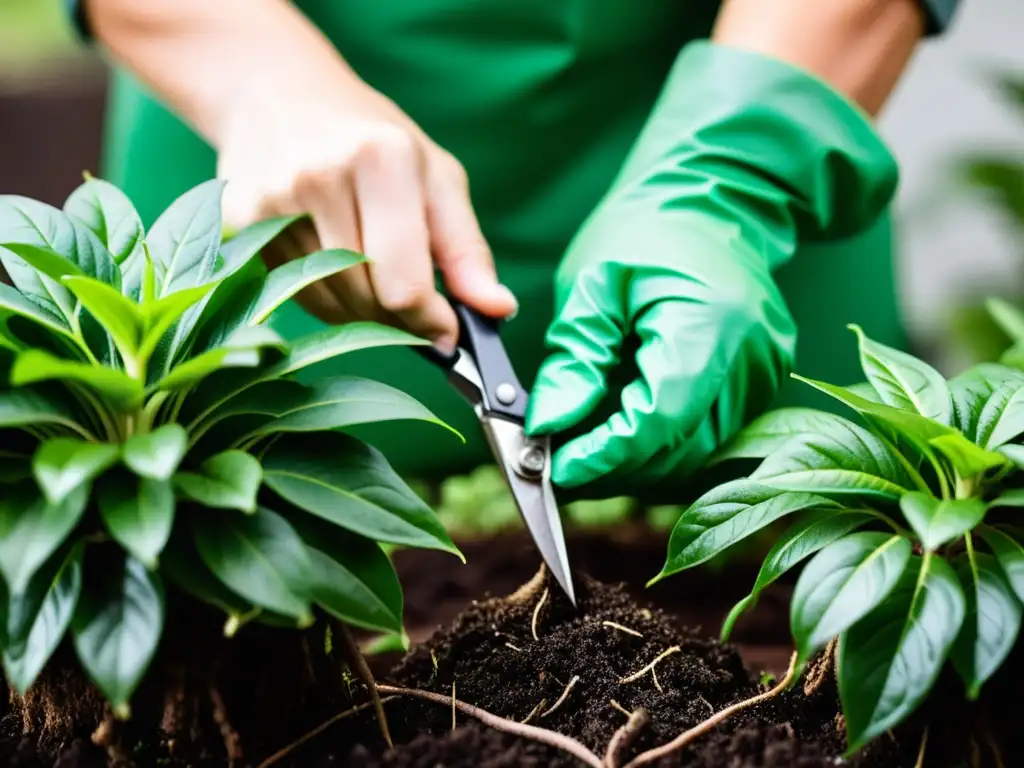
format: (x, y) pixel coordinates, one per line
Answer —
(956, 123)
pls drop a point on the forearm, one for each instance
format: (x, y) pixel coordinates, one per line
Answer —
(202, 56)
(859, 47)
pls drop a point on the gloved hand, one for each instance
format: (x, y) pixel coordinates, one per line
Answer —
(742, 158)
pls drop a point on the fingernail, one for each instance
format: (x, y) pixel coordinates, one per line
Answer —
(515, 302)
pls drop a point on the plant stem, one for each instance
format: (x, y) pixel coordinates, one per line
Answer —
(542, 735)
(361, 668)
(684, 739)
(152, 407)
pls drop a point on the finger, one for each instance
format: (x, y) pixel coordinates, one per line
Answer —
(585, 341)
(390, 202)
(459, 247)
(683, 364)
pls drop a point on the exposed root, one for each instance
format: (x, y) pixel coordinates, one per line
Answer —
(536, 613)
(453, 705)
(534, 711)
(993, 745)
(621, 628)
(615, 705)
(542, 735)
(919, 763)
(820, 668)
(685, 738)
(563, 697)
(361, 668)
(285, 751)
(106, 736)
(650, 667)
(230, 737)
(654, 677)
(514, 647)
(624, 737)
(526, 592)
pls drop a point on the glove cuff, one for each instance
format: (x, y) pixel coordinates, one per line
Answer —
(770, 138)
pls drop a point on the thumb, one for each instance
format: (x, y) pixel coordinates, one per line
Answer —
(573, 379)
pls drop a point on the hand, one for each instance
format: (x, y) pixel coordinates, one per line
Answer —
(371, 182)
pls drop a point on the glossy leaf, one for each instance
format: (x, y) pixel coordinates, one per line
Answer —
(260, 557)
(110, 215)
(31, 530)
(184, 240)
(727, 515)
(843, 583)
(238, 250)
(351, 578)
(44, 260)
(25, 408)
(1002, 418)
(967, 458)
(1009, 553)
(116, 387)
(937, 522)
(341, 402)
(903, 381)
(1012, 498)
(812, 531)
(339, 340)
(117, 627)
(775, 429)
(1007, 317)
(120, 316)
(228, 480)
(349, 483)
(889, 660)
(241, 350)
(41, 616)
(139, 513)
(156, 454)
(49, 317)
(1014, 453)
(991, 623)
(63, 464)
(846, 459)
(972, 389)
(181, 565)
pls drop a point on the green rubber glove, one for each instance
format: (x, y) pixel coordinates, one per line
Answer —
(742, 158)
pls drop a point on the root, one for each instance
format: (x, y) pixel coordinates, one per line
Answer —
(526, 592)
(563, 697)
(624, 737)
(514, 647)
(232, 741)
(615, 705)
(685, 738)
(919, 763)
(285, 751)
(106, 736)
(361, 668)
(819, 670)
(621, 628)
(533, 712)
(453, 705)
(541, 735)
(650, 667)
(536, 613)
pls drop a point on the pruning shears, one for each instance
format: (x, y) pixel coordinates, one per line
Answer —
(480, 370)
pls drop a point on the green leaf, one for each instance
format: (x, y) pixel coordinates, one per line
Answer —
(939, 522)
(42, 613)
(120, 316)
(1002, 418)
(991, 624)
(182, 566)
(228, 480)
(346, 482)
(139, 513)
(117, 628)
(12, 302)
(1010, 555)
(110, 215)
(845, 459)
(25, 408)
(184, 240)
(1015, 453)
(65, 463)
(1007, 317)
(903, 381)
(728, 514)
(156, 454)
(240, 249)
(241, 350)
(889, 660)
(812, 531)
(351, 577)
(343, 402)
(281, 285)
(118, 388)
(44, 259)
(338, 340)
(972, 389)
(31, 530)
(965, 457)
(773, 430)
(1011, 498)
(258, 556)
(843, 583)
(392, 642)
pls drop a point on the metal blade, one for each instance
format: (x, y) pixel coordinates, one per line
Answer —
(526, 464)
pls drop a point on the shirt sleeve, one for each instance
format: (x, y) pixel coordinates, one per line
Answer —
(940, 15)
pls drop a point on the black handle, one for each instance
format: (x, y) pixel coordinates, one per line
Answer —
(479, 335)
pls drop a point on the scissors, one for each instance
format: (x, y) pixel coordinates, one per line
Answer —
(480, 370)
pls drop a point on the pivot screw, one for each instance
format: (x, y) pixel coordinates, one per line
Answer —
(506, 393)
(531, 460)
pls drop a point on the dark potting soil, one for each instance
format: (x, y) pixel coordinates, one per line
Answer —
(490, 656)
